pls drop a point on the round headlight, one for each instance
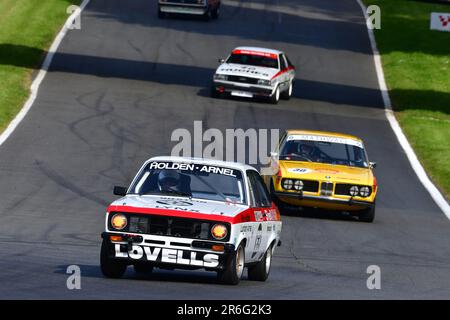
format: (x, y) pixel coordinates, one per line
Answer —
(364, 192)
(219, 231)
(287, 184)
(119, 221)
(354, 190)
(298, 185)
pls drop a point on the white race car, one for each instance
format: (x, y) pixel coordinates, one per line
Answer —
(192, 213)
(251, 72)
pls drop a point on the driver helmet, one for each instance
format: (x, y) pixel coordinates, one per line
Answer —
(305, 148)
(168, 179)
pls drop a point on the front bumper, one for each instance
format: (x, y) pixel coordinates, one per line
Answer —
(311, 199)
(240, 89)
(183, 8)
(167, 252)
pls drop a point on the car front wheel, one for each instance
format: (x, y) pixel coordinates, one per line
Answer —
(276, 96)
(286, 95)
(232, 272)
(367, 215)
(110, 268)
(261, 270)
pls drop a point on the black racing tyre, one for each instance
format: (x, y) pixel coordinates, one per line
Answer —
(260, 271)
(215, 13)
(207, 15)
(142, 268)
(276, 96)
(110, 268)
(286, 94)
(367, 215)
(232, 272)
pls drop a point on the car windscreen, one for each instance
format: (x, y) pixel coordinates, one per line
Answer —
(253, 60)
(344, 152)
(190, 180)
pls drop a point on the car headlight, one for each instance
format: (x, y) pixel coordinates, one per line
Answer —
(220, 77)
(354, 190)
(219, 231)
(364, 192)
(298, 185)
(287, 184)
(265, 82)
(119, 221)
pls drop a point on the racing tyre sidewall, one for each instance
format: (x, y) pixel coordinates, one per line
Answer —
(234, 267)
(261, 270)
(109, 267)
(286, 95)
(367, 215)
(216, 12)
(276, 96)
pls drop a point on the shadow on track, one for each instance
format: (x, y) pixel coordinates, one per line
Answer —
(181, 276)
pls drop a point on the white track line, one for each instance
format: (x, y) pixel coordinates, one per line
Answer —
(41, 75)
(418, 169)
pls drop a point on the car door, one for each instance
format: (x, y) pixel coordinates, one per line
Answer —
(284, 76)
(261, 206)
(291, 69)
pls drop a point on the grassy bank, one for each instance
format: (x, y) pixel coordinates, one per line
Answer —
(27, 29)
(416, 63)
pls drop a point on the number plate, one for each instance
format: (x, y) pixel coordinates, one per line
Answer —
(241, 94)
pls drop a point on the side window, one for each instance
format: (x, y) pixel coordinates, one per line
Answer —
(283, 64)
(289, 62)
(262, 197)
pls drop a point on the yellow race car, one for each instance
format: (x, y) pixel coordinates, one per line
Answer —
(323, 170)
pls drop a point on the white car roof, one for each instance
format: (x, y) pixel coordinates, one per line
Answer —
(211, 162)
(266, 50)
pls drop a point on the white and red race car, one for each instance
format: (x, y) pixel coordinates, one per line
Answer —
(192, 213)
(254, 72)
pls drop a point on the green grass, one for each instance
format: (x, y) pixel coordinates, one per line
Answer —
(27, 29)
(416, 63)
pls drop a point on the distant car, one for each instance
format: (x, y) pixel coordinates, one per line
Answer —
(208, 9)
(192, 213)
(324, 170)
(255, 72)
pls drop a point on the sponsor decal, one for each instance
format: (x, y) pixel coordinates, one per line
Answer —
(329, 171)
(166, 255)
(271, 215)
(175, 203)
(243, 69)
(299, 170)
(256, 53)
(246, 229)
(191, 167)
(259, 216)
(310, 137)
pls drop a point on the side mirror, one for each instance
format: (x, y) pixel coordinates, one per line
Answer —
(120, 191)
(372, 165)
(221, 61)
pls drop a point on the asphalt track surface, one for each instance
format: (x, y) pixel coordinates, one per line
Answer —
(117, 89)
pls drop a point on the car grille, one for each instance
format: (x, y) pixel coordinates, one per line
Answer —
(343, 189)
(169, 226)
(243, 79)
(310, 185)
(326, 189)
